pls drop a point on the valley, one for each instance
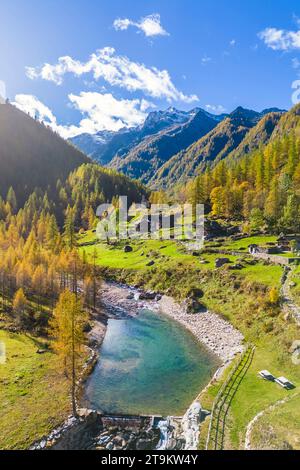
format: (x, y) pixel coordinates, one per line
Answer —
(185, 312)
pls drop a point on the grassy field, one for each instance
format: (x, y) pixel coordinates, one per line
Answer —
(295, 290)
(34, 394)
(168, 253)
(279, 426)
(245, 242)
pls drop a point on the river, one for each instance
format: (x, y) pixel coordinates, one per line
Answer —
(149, 364)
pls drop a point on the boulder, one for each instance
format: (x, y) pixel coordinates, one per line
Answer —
(150, 295)
(128, 249)
(236, 266)
(151, 263)
(221, 261)
(195, 293)
(194, 306)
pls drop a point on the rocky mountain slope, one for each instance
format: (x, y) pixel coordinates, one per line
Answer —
(239, 133)
(105, 145)
(145, 159)
(174, 145)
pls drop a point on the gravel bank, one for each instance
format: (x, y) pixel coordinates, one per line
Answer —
(216, 333)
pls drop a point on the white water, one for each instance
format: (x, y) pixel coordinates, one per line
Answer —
(163, 426)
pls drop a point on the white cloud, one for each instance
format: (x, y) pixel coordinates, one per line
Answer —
(295, 63)
(2, 89)
(150, 25)
(280, 39)
(296, 19)
(100, 111)
(205, 60)
(232, 43)
(31, 105)
(215, 108)
(103, 111)
(117, 71)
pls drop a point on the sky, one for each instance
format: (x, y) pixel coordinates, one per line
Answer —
(87, 66)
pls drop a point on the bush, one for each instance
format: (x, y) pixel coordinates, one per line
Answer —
(274, 296)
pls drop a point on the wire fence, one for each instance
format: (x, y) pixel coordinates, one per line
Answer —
(219, 414)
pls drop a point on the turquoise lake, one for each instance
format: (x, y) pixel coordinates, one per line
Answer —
(148, 364)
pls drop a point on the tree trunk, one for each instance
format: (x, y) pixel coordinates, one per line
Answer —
(74, 407)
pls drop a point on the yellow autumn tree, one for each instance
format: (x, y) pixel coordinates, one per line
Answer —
(20, 303)
(274, 296)
(67, 329)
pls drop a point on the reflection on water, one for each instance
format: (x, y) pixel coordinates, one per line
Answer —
(148, 364)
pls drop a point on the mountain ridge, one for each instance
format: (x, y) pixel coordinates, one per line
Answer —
(31, 154)
(174, 144)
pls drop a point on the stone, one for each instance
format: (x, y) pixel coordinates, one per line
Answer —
(195, 293)
(150, 295)
(221, 261)
(194, 306)
(236, 267)
(128, 249)
(130, 296)
(151, 263)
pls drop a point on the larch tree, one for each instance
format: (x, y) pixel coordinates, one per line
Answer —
(20, 304)
(67, 329)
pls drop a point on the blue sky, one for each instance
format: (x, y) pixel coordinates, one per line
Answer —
(185, 53)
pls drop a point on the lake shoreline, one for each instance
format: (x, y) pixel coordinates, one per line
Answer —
(212, 331)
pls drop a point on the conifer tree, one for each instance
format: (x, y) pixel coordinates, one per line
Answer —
(67, 329)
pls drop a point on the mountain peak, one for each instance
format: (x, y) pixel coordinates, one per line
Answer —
(273, 110)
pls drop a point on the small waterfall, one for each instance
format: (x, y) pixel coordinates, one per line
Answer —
(163, 426)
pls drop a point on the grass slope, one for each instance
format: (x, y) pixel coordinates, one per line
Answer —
(34, 393)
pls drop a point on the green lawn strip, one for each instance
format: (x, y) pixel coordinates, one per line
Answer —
(34, 393)
(278, 427)
(243, 243)
(207, 398)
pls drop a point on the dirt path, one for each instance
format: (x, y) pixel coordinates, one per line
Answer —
(258, 416)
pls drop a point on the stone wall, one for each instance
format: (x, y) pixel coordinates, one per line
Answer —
(75, 433)
(276, 259)
(80, 435)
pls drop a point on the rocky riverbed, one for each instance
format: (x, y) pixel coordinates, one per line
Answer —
(216, 333)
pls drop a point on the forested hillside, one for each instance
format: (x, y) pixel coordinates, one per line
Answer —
(262, 187)
(32, 155)
(240, 133)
